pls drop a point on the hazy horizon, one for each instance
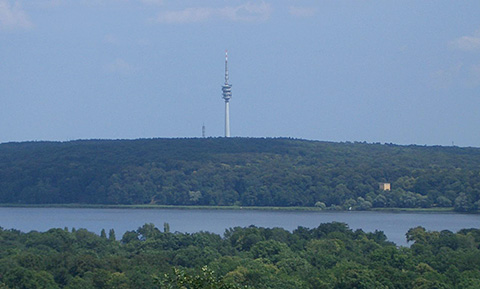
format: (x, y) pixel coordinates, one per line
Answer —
(233, 137)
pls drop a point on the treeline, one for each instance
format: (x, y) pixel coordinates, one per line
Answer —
(239, 171)
(330, 256)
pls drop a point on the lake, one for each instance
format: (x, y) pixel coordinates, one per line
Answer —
(393, 224)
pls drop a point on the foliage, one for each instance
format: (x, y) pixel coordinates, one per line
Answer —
(329, 256)
(240, 172)
(183, 280)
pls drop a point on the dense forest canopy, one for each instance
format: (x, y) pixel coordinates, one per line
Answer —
(331, 256)
(239, 171)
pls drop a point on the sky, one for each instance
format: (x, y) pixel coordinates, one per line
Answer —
(402, 72)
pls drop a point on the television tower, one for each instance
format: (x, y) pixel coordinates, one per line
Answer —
(227, 94)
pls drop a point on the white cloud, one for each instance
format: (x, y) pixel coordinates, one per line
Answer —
(12, 16)
(302, 12)
(467, 43)
(120, 66)
(245, 12)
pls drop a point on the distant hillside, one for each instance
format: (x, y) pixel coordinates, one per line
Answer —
(239, 171)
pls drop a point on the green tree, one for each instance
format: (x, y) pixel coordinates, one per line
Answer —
(183, 280)
(111, 235)
(463, 203)
(443, 201)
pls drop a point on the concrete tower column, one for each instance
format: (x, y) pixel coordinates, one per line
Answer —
(227, 119)
(226, 95)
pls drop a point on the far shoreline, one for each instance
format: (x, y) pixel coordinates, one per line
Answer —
(161, 207)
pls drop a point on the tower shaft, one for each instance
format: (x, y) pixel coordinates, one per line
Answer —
(226, 95)
(227, 119)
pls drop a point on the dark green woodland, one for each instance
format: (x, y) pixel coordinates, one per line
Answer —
(239, 172)
(329, 256)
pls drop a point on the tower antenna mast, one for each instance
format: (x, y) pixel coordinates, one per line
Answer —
(227, 94)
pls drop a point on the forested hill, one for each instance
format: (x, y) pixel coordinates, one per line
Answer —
(239, 171)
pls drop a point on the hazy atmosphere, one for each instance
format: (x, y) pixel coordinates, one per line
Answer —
(406, 72)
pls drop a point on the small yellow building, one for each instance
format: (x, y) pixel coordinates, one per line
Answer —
(385, 186)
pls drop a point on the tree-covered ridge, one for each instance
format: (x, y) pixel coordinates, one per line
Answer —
(239, 171)
(329, 256)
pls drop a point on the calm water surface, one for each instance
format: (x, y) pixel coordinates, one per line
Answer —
(394, 225)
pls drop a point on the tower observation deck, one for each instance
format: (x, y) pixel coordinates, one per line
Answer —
(227, 95)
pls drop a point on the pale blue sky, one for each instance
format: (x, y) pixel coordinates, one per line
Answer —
(406, 72)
